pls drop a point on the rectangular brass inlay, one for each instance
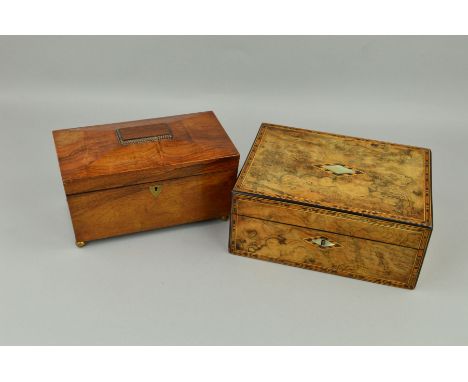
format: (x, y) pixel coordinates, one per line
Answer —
(142, 134)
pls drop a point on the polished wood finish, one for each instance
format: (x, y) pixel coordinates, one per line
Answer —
(140, 175)
(367, 202)
(354, 257)
(331, 221)
(118, 211)
(393, 180)
(92, 158)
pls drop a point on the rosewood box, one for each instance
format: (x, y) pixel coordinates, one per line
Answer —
(337, 204)
(136, 176)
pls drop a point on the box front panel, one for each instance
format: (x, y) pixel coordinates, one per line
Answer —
(331, 221)
(324, 251)
(101, 214)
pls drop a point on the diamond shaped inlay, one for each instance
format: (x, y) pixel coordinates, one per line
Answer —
(339, 169)
(321, 242)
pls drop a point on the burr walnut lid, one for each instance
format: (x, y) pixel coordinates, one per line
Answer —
(366, 177)
(114, 155)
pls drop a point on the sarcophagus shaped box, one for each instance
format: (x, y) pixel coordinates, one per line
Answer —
(136, 176)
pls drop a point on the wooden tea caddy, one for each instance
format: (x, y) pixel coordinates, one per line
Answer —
(135, 176)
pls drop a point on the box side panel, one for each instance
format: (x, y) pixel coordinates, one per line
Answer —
(420, 259)
(118, 211)
(345, 256)
(331, 221)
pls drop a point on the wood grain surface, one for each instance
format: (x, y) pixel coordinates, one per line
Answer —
(332, 221)
(351, 257)
(101, 214)
(135, 176)
(92, 158)
(348, 206)
(391, 181)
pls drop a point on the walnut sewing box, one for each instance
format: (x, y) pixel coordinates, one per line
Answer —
(136, 176)
(348, 206)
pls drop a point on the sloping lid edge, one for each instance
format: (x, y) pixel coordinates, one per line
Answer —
(113, 155)
(77, 186)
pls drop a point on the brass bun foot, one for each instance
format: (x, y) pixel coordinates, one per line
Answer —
(80, 244)
(224, 217)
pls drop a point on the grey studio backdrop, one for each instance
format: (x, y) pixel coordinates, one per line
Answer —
(180, 285)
